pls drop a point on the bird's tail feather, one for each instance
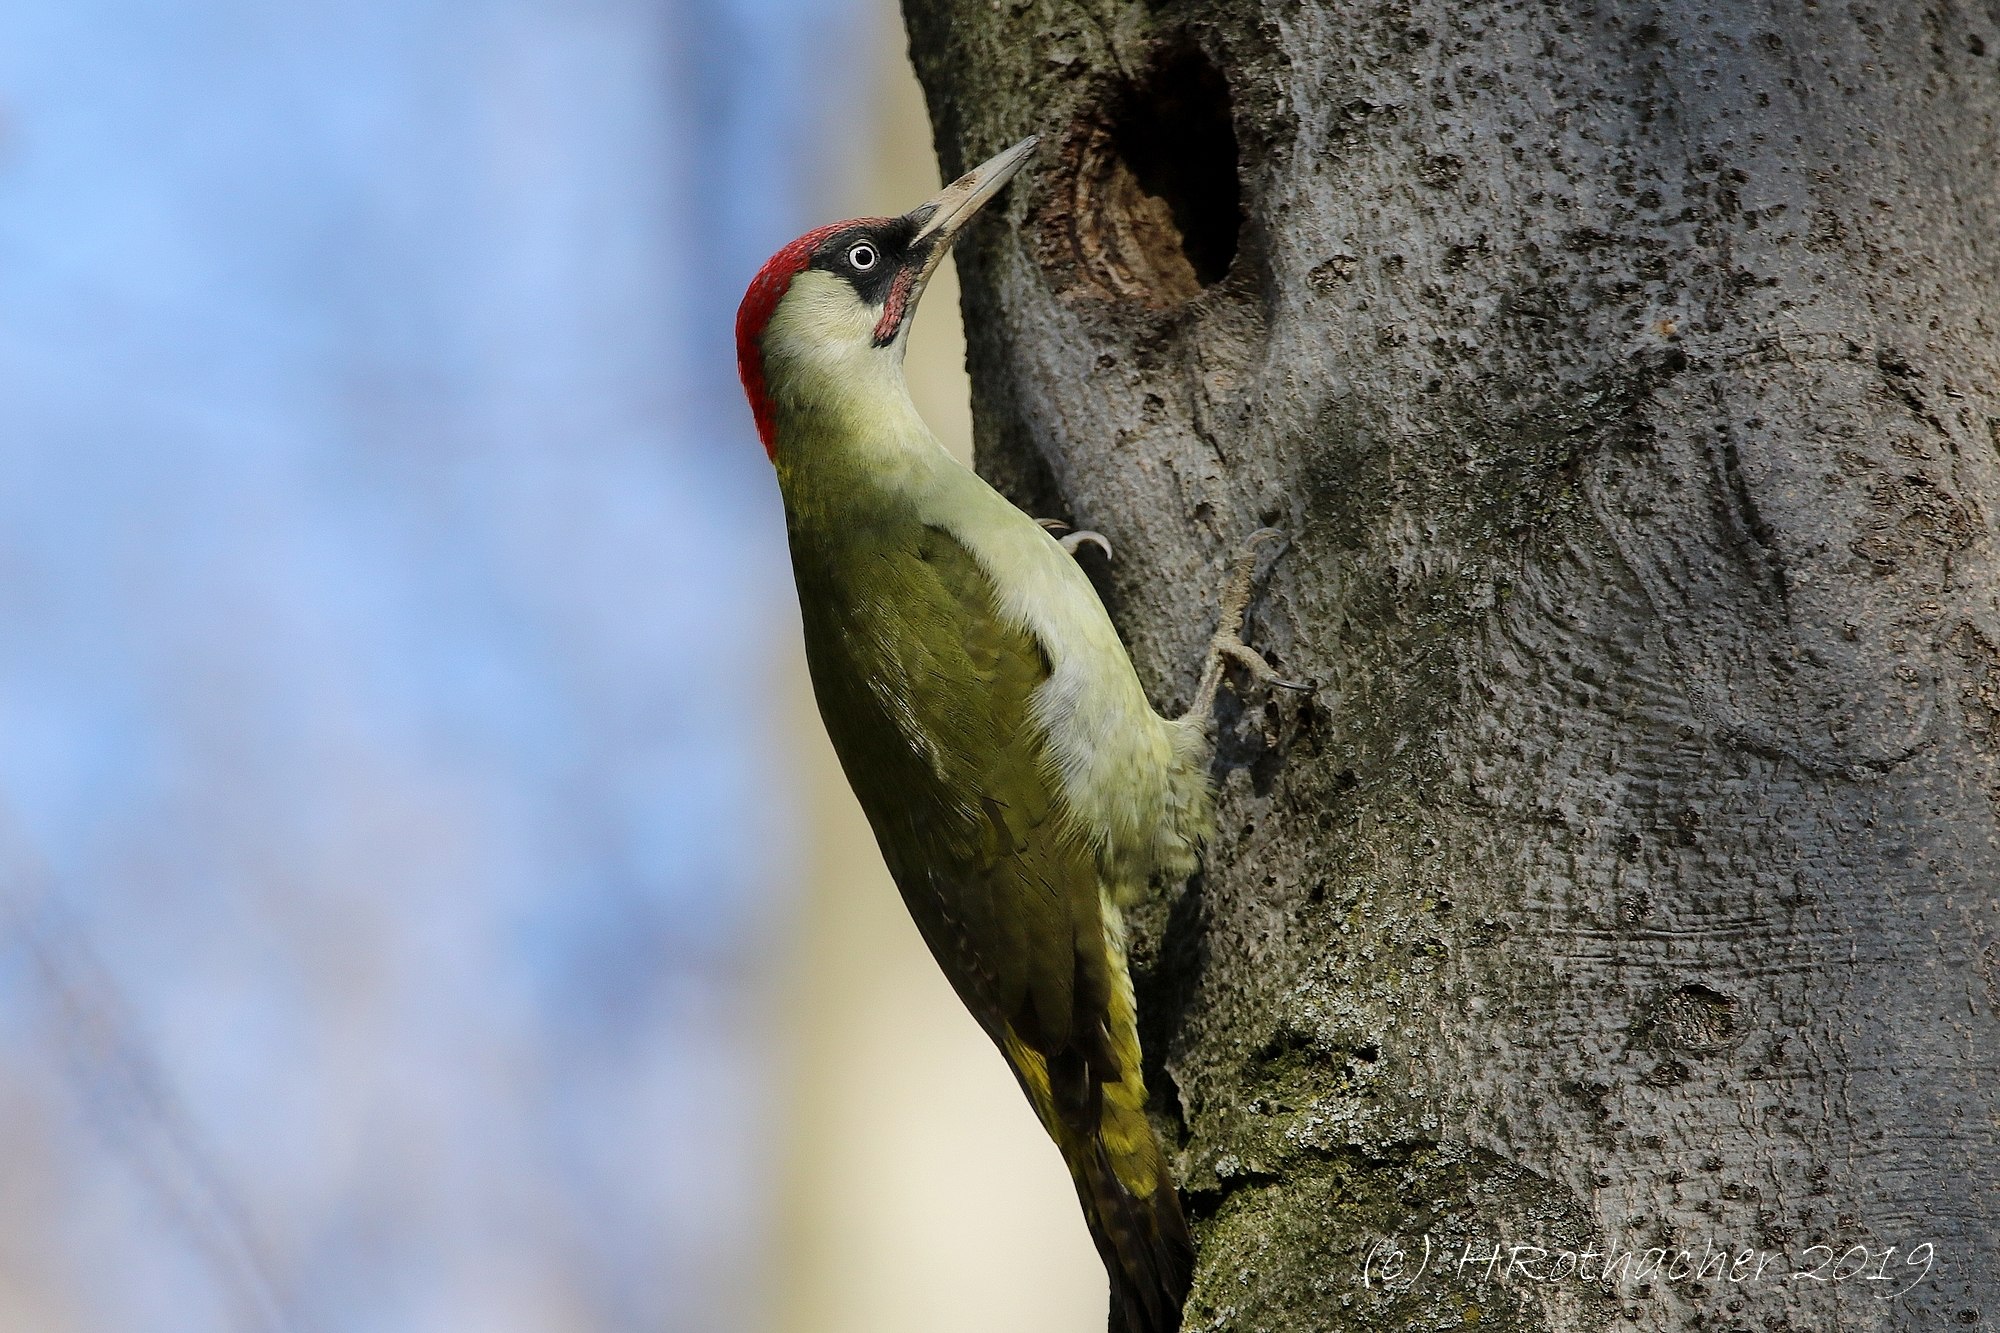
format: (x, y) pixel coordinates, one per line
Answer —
(1121, 1178)
(1143, 1239)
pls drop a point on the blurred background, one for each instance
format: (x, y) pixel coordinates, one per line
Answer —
(427, 901)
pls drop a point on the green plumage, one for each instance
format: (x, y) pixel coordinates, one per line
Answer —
(1020, 785)
(941, 697)
(905, 641)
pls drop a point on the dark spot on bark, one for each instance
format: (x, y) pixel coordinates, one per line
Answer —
(1440, 170)
(1744, 519)
(1914, 518)
(1459, 255)
(1699, 1020)
(1826, 231)
(1583, 240)
(1291, 1044)
(1772, 1233)
(1351, 118)
(1338, 269)
(1900, 380)
(1589, 1094)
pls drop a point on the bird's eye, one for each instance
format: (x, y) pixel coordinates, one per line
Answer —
(863, 257)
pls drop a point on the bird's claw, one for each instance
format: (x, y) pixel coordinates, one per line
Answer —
(1084, 536)
(1253, 661)
(1227, 644)
(1078, 539)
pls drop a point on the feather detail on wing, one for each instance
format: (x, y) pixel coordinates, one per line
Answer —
(930, 694)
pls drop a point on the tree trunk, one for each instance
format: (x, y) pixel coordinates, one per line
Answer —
(1627, 377)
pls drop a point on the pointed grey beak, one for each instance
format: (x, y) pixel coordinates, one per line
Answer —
(940, 218)
(938, 221)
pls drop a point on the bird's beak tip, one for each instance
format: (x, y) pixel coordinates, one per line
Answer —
(949, 210)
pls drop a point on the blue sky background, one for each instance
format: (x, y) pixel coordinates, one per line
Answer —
(389, 586)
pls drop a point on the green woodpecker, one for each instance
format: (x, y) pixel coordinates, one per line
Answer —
(1021, 787)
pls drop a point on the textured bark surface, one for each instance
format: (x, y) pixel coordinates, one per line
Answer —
(1628, 378)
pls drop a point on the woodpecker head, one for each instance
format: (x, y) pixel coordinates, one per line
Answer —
(827, 317)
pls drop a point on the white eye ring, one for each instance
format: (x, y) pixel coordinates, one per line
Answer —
(862, 256)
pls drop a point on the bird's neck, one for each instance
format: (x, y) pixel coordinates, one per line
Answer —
(851, 442)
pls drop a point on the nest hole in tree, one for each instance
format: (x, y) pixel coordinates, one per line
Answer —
(1156, 203)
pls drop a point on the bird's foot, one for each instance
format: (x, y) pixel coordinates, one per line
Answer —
(1075, 541)
(1227, 645)
(1085, 536)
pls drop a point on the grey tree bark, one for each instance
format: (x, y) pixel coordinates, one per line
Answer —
(1628, 378)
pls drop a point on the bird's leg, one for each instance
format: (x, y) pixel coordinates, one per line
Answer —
(1077, 539)
(1227, 645)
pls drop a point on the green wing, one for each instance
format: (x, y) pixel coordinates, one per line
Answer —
(926, 692)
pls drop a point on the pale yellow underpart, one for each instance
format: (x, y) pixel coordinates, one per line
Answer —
(1135, 783)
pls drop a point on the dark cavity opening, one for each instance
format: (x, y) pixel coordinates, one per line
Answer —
(1158, 204)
